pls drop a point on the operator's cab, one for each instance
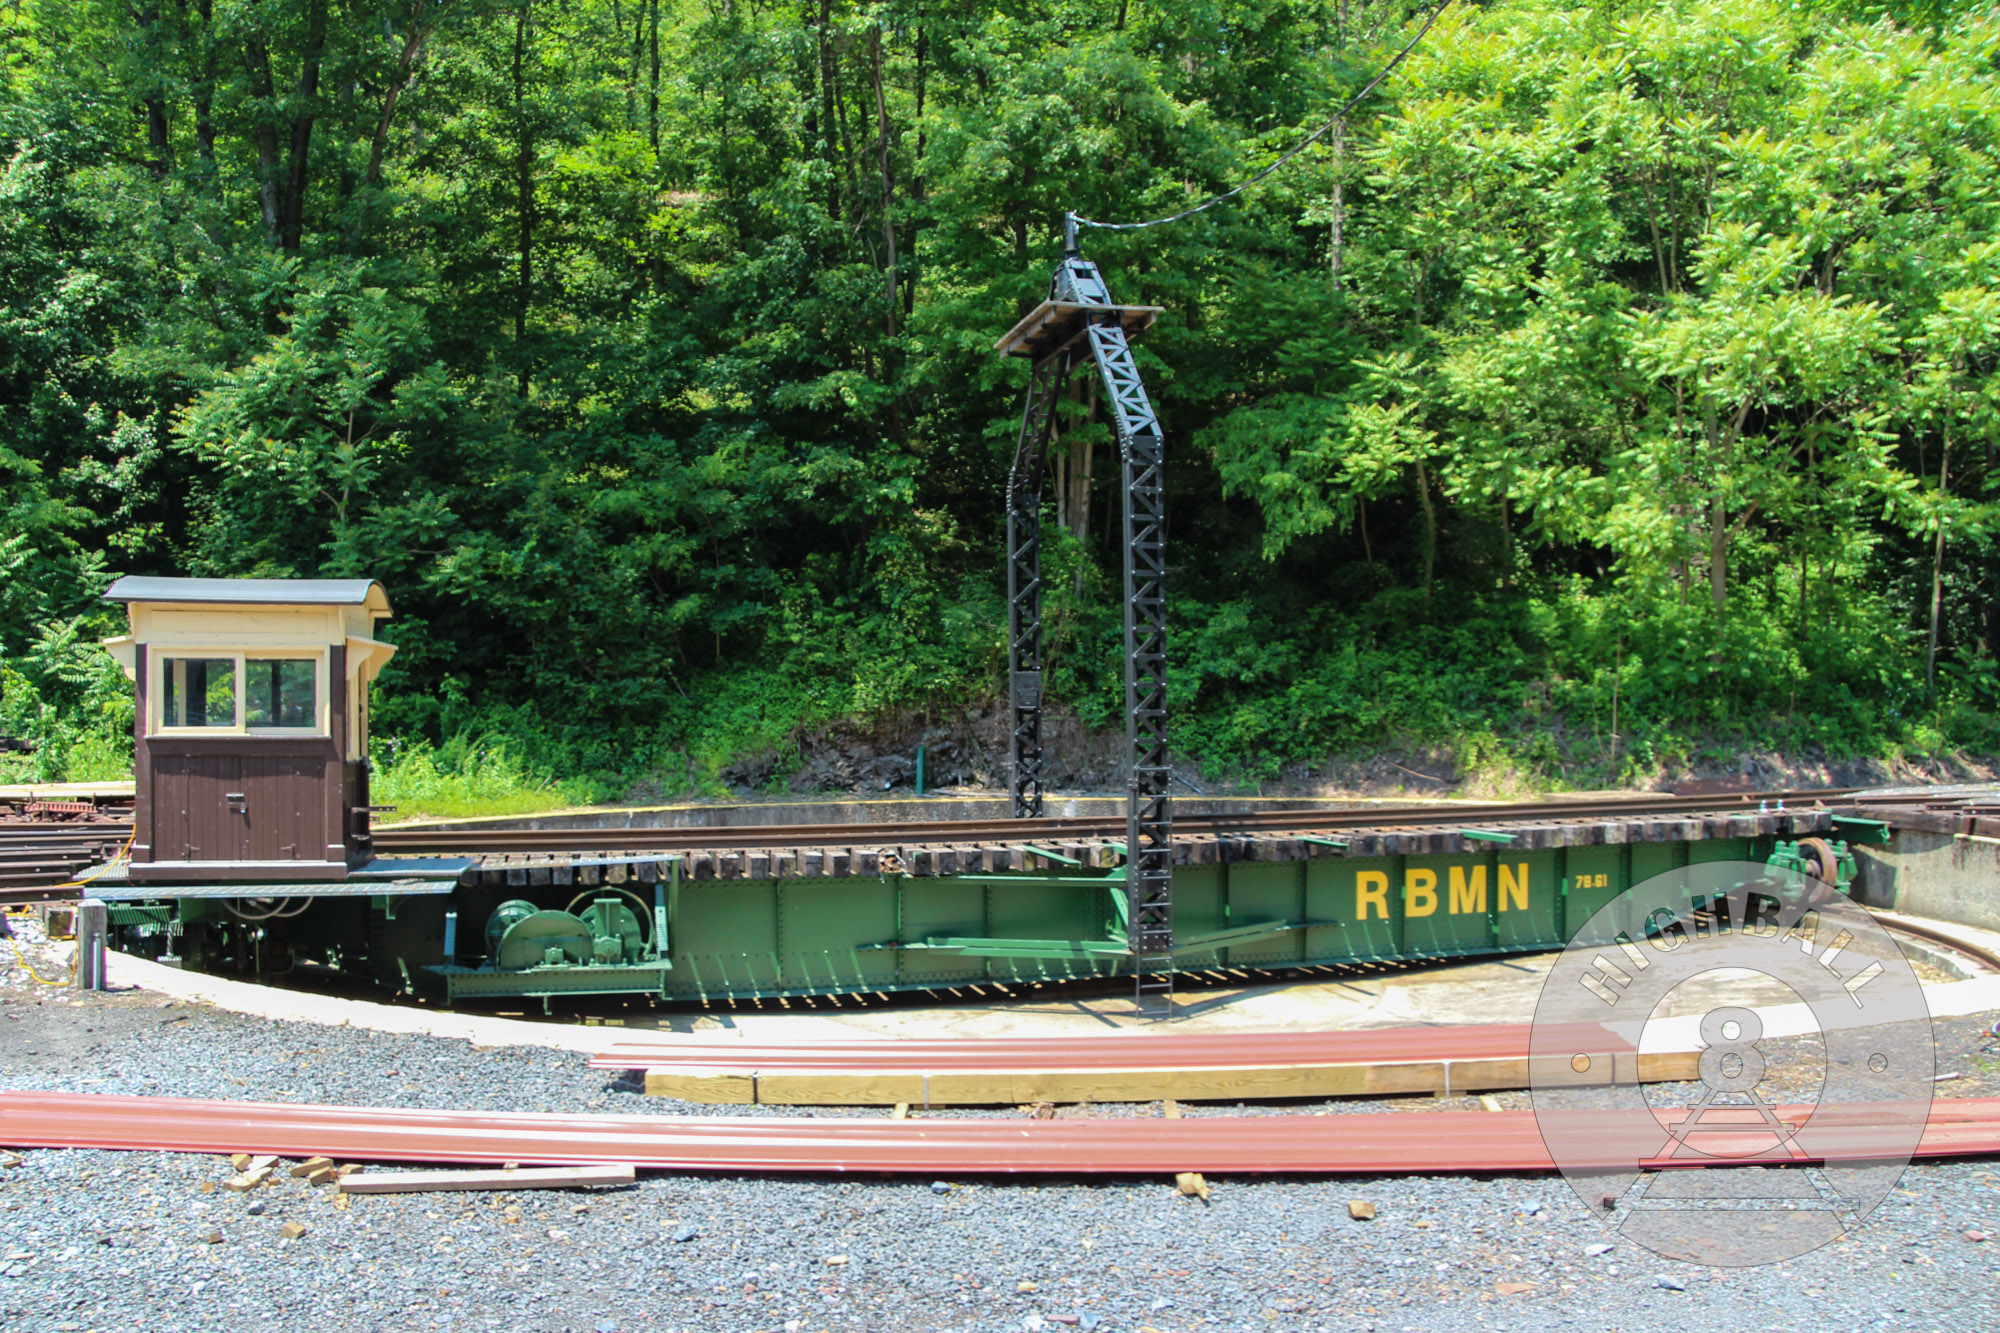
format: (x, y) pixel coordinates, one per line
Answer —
(251, 726)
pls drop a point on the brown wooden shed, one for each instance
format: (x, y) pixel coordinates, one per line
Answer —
(251, 728)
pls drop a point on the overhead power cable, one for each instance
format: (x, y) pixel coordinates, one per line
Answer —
(1076, 220)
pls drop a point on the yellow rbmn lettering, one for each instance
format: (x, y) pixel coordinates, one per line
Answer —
(1420, 896)
(1371, 890)
(1514, 887)
(1468, 897)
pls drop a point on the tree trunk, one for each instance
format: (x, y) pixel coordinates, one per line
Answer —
(264, 130)
(524, 195)
(807, 75)
(888, 180)
(1720, 442)
(1430, 527)
(1337, 213)
(1937, 573)
(917, 195)
(159, 158)
(1718, 554)
(292, 211)
(826, 109)
(406, 68)
(653, 90)
(204, 88)
(846, 146)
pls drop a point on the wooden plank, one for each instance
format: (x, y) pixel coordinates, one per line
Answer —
(958, 1087)
(695, 1084)
(531, 1178)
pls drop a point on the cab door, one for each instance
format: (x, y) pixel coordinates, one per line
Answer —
(201, 810)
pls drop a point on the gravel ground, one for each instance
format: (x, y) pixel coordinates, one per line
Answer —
(117, 1241)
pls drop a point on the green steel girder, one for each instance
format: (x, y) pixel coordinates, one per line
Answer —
(546, 982)
(1109, 879)
(973, 946)
(1862, 830)
(1254, 930)
(1046, 854)
(155, 915)
(795, 937)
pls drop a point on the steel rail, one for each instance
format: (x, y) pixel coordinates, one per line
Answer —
(1429, 1143)
(417, 839)
(13, 835)
(97, 839)
(35, 894)
(1944, 937)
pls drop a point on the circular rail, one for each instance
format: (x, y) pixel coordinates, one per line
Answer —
(1956, 943)
(418, 839)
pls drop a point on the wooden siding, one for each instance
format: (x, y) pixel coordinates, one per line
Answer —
(287, 817)
(282, 815)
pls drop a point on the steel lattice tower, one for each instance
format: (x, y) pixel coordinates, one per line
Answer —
(1080, 323)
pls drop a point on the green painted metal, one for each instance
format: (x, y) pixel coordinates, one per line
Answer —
(1238, 935)
(1057, 857)
(909, 933)
(1084, 881)
(145, 918)
(1862, 830)
(1791, 856)
(543, 983)
(981, 947)
(720, 940)
(1482, 835)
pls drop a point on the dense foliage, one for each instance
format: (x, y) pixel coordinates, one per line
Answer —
(1619, 368)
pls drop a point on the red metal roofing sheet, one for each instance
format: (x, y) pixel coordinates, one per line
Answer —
(1433, 1142)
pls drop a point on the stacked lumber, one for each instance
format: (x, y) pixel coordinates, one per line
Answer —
(1445, 1061)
